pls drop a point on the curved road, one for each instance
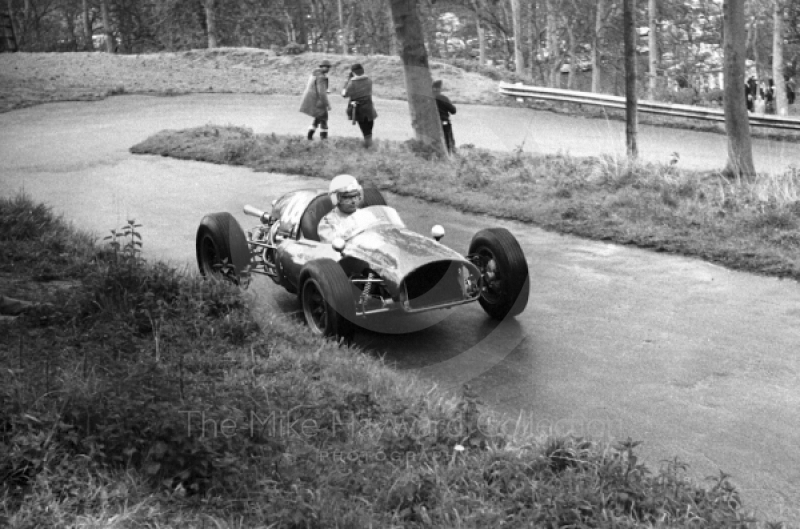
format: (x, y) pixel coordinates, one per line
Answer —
(693, 359)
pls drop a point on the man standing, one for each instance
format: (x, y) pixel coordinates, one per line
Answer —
(315, 100)
(360, 108)
(445, 109)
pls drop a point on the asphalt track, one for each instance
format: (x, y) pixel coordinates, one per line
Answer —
(695, 360)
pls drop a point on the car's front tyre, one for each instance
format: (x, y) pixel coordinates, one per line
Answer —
(506, 285)
(221, 247)
(326, 295)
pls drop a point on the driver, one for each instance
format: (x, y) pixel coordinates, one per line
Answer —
(346, 194)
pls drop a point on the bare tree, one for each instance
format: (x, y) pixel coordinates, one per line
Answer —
(519, 61)
(631, 103)
(88, 44)
(533, 39)
(421, 105)
(599, 24)
(107, 31)
(781, 101)
(476, 6)
(553, 44)
(211, 22)
(653, 51)
(737, 124)
(343, 30)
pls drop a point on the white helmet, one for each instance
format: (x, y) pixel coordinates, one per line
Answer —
(342, 184)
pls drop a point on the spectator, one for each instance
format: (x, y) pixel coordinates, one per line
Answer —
(790, 88)
(445, 109)
(360, 109)
(765, 91)
(315, 100)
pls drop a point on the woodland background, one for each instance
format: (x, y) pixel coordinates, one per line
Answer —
(575, 44)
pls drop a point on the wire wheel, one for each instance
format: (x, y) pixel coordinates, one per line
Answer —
(505, 284)
(221, 247)
(315, 308)
(326, 295)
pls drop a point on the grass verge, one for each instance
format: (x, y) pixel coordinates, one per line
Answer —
(749, 226)
(146, 396)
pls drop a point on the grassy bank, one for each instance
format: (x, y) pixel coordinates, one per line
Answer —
(143, 396)
(750, 226)
(34, 78)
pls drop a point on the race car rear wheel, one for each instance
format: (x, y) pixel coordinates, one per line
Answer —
(372, 197)
(506, 285)
(326, 295)
(221, 247)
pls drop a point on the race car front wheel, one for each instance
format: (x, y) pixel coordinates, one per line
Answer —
(505, 282)
(326, 295)
(221, 246)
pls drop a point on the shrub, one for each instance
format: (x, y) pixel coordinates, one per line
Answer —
(293, 48)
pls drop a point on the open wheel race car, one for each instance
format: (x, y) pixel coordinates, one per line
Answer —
(377, 266)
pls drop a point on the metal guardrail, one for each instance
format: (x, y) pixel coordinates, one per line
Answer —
(604, 100)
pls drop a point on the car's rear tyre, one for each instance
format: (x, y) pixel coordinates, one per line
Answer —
(221, 247)
(326, 295)
(372, 197)
(506, 284)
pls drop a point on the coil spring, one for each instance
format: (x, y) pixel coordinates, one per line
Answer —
(367, 287)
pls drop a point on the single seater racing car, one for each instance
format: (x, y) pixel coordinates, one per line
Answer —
(377, 266)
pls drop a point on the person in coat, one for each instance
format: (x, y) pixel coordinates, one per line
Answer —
(445, 108)
(315, 100)
(360, 109)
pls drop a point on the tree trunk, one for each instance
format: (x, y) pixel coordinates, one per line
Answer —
(10, 8)
(508, 23)
(88, 44)
(737, 125)
(429, 28)
(596, 44)
(122, 29)
(756, 57)
(631, 102)
(342, 30)
(781, 102)
(69, 21)
(107, 26)
(421, 105)
(652, 86)
(519, 61)
(300, 23)
(393, 44)
(573, 58)
(211, 22)
(481, 43)
(533, 40)
(553, 50)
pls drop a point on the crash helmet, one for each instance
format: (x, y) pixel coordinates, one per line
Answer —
(343, 183)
